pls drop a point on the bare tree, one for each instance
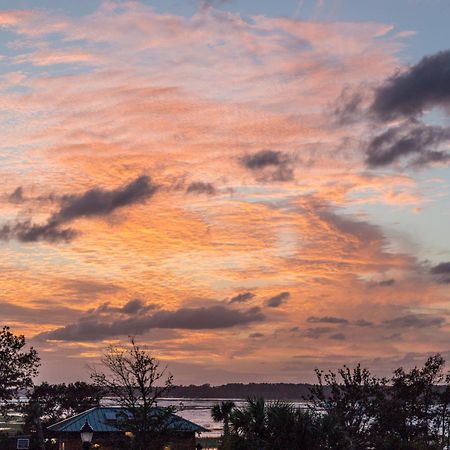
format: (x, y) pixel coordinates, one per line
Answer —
(136, 380)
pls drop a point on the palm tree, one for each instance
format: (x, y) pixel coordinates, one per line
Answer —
(249, 422)
(221, 412)
(261, 425)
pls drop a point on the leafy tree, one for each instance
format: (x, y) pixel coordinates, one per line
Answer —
(442, 418)
(80, 396)
(50, 403)
(412, 412)
(136, 380)
(18, 366)
(348, 398)
(353, 410)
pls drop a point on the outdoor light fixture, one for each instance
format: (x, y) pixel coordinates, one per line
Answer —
(87, 433)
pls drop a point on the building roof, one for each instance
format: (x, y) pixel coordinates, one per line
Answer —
(105, 419)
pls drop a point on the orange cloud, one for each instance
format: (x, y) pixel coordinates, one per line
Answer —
(186, 100)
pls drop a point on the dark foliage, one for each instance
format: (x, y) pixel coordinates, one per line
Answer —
(18, 366)
(353, 410)
(136, 380)
(50, 403)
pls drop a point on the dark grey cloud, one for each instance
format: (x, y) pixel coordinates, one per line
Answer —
(389, 282)
(415, 321)
(27, 231)
(365, 232)
(338, 337)
(383, 283)
(411, 139)
(393, 337)
(263, 158)
(269, 165)
(317, 332)
(442, 272)
(96, 326)
(94, 202)
(135, 306)
(132, 307)
(256, 335)
(206, 318)
(327, 319)
(350, 106)
(200, 187)
(431, 156)
(241, 298)
(363, 323)
(278, 300)
(16, 196)
(409, 93)
(441, 269)
(101, 202)
(403, 98)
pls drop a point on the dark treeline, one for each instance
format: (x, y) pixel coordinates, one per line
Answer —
(270, 391)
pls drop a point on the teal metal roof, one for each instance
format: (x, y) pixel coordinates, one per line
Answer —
(103, 419)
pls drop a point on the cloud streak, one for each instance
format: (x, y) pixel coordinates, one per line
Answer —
(415, 321)
(278, 300)
(241, 298)
(408, 139)
(136, 320)
(327, 319)
(94, 202)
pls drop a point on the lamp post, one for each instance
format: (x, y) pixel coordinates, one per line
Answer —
(86, 435)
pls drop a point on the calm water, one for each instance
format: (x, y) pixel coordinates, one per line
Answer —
(198, 410)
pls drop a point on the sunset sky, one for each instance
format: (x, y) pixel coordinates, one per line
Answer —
(252, 188)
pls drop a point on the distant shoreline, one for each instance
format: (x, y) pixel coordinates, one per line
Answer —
(269, 391)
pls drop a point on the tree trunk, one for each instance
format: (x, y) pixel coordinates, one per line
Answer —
(39, 430)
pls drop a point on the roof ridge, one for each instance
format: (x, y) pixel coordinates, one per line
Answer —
(189, 421)
(76, 416)
(100, 411)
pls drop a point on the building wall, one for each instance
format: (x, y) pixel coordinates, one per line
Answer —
(111, 441)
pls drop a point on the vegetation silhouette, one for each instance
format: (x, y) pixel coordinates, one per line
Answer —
(351, 409)
(136, 380)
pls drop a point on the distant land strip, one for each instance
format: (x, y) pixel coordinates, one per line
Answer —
(269, 391)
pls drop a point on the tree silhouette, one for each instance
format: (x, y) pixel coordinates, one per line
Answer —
(18, 367)
(136, 380)
(221, 413)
